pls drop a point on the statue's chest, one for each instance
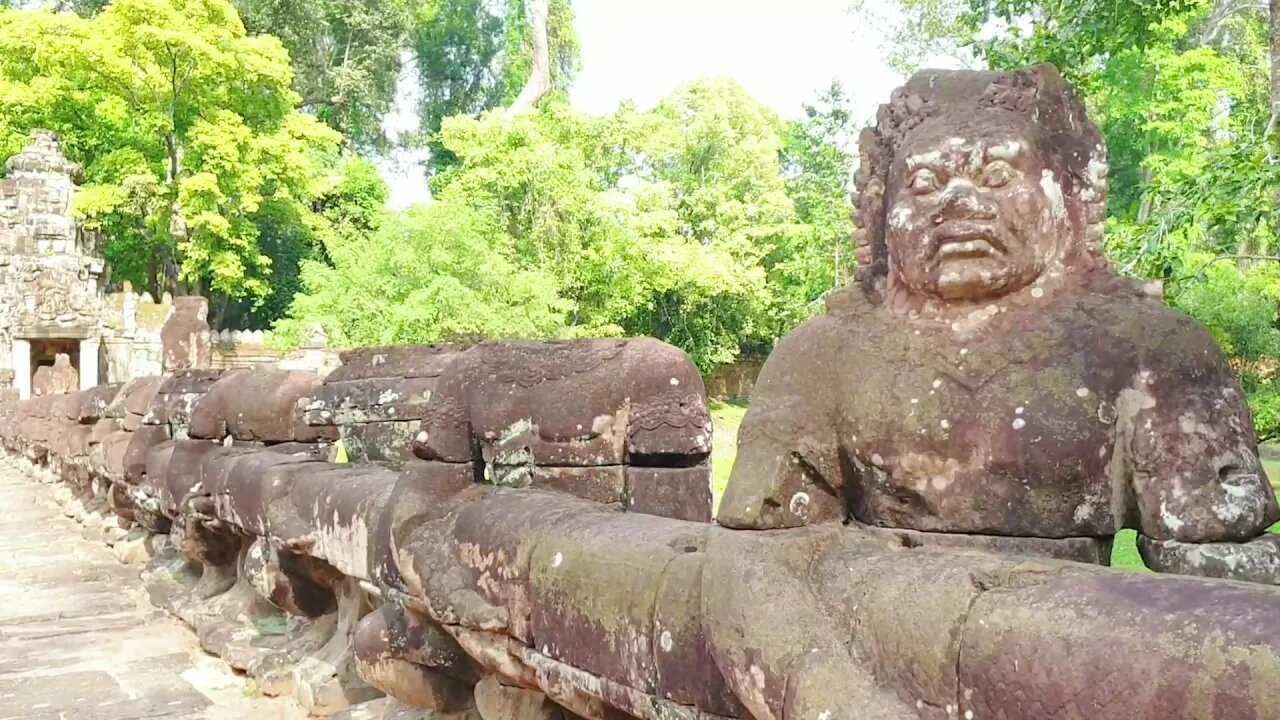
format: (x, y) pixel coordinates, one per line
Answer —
(980, 400)
(1009, 420)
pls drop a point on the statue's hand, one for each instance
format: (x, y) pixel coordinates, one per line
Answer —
(1256, 561)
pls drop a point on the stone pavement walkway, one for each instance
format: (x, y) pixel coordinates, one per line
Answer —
(80, 641)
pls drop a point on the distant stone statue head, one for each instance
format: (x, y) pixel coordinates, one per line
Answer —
(191, 306)
(60, 378)
(975, 186)
(186, 336)
(43, 157)
(41, 384)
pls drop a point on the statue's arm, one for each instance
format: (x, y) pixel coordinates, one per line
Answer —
(787, 471)
(1203, 500)
(780, 649)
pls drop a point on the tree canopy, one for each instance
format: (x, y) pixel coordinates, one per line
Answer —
(677, 223)
(346, 57)
(187, 128)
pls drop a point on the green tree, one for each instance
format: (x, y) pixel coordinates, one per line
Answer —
(674, 223)
(81, 7)
(476, 55)
(346, 57)
(914, 33)
(1074, 35)
(470, 56)
(438, 273)
(819, 155)
(1241, 310)
(613, 207)
(722, 153)
(186, 126)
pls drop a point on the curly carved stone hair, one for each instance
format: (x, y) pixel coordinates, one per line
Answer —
(1070, 145)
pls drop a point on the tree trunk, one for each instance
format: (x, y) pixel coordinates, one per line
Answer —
(177, 221)
(835, 281)
(1274, 42)
(1214, 27)
(171, 277)
(539, 82)
(1145, 205)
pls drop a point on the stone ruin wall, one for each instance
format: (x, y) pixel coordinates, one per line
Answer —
(50, 278)
(131, 325)
(243, 349)
(253, 349)
(52, 288)
(736, 380)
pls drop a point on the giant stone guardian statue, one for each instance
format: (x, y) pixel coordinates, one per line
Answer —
(990, 381)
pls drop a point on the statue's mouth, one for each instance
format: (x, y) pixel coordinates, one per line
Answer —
(966, 241)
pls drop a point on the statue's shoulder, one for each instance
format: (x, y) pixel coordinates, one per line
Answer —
(814, 352)
(812, 341)
(848, 322)
(1158, 334)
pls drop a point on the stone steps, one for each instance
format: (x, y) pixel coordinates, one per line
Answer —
(79, 640)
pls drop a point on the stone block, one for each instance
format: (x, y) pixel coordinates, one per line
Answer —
(185, 336)
(369, 400)
(380, 441)
(680, 493)
(397, 361)
(612, 634)
(604, 484)
(265, 405)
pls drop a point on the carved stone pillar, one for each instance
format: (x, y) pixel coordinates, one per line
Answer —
(22, 368)
(89, 363)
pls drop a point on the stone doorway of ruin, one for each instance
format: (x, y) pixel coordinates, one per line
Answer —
(30, 354)
(44, 352)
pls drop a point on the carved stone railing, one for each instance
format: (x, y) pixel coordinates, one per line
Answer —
(524, 527)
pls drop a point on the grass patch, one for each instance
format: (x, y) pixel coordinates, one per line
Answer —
(727, 416)
(1124, 554)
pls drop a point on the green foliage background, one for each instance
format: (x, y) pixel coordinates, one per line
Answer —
(225, 146)
(708, 222)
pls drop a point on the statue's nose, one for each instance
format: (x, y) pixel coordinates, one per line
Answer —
(961, 200)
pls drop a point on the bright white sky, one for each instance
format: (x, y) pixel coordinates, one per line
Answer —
(784, 53)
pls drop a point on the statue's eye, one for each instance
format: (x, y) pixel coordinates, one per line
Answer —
(997, 174)
(924, 181)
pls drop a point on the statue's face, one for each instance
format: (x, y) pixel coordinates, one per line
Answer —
(973, 217)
